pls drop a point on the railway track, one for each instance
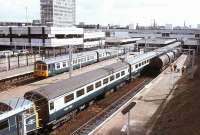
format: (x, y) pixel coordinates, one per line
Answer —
(110, 110)
(17, 81)
(94, 115)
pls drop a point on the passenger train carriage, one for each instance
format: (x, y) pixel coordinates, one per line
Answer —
(53, 66)
(57, 100)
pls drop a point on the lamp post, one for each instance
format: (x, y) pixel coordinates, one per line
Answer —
(70, 61)
(126, 110)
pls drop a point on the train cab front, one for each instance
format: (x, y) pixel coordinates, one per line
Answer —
(40, 69)
(18, 115)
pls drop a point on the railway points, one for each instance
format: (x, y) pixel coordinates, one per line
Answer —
(150, 102)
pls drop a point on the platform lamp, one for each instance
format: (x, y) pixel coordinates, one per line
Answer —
(126, 110)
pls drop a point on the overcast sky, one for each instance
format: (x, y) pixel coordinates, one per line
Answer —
(113, 11)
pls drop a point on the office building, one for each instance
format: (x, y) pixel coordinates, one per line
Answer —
(58, 13)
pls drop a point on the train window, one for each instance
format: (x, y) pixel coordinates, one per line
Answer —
(90, 88)
(83, 60)
(75, 61)
(80, 93)
(122, 73)
(143, 63)
(69, 98)
(57, 65)
(105, 81)
(98, 84)
(51, 105)
(136, 66)
(64, 64)
(117, 75)
(44, 67)
(38, 67)
(140, 64)
(4, 125)
(88, 58)
(112, 78)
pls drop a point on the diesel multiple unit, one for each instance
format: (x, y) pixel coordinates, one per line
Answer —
(53, 66)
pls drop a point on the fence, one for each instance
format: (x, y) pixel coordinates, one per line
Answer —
(14, 62)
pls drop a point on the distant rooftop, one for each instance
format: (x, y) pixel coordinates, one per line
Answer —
(121, 40)
(156, 41)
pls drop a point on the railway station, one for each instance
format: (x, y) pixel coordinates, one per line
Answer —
(74, 85)
(58, 77)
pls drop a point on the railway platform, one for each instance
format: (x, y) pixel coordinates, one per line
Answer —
(150, 103)
(15, 73)
(21, 90)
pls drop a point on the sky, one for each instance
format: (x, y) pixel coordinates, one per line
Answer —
(120, 12)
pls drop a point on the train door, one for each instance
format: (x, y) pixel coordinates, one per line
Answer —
(51, 69)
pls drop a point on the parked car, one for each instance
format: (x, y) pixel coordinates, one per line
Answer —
(20, 52)
(6, 53)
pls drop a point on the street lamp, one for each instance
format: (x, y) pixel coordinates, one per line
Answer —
(126, 110)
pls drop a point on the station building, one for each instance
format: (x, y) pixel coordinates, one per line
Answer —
(155, 42)
(116, 41)
(94, 39)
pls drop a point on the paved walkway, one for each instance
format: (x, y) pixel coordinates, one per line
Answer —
(16, 72)
(150, 102)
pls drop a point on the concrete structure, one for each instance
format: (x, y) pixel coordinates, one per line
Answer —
(39, 36)
(15, 23)
(58, 13)
(94, 39)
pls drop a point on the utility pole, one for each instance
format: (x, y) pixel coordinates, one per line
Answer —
(26, 14)
(70, 61)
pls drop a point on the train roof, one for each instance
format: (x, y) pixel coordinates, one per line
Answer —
(13, 106)
(75, 55)
(66, 86)
(64, 57)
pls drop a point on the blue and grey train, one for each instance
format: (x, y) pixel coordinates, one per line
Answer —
(54, 103)
(17, 117)
(53, 66)
(58, 101)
